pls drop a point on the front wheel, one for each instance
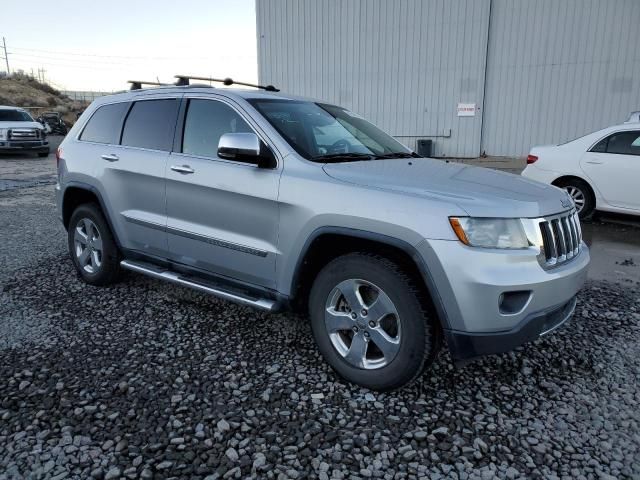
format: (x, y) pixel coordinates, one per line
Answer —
(370, 323)
(92, 247)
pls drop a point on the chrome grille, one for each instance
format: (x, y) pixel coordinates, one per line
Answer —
(561, 238)
(24, 134)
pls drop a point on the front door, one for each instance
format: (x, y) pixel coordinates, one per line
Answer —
(222, 215)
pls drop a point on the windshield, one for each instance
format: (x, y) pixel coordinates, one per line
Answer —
(14, 116)
(326, 133)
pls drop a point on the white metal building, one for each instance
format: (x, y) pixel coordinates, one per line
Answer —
(492, 76)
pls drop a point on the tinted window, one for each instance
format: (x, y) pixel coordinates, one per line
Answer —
(318, 131)
(104, 124)
(205, 123)
(624, 143)
(150, 124)
(14, 116)
(601, 146)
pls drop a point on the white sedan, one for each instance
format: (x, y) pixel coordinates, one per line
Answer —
(600, 170)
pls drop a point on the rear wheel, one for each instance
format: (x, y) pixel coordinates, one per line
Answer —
(370, 323)
(91, 246)
(581, 194)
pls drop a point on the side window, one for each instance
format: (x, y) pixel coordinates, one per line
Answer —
(206, 121)
(624, 143)
(104, 125)
(150, 124)
(601, 146)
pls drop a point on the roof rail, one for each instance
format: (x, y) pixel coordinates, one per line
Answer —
(137, 84)
(183, 80)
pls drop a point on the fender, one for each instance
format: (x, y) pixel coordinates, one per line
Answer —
(98, 195)
(406, 247)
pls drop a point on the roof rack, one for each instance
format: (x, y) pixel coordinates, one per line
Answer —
(183, 80)
(137, 84)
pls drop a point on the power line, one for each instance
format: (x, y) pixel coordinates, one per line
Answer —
(82, 60)
(59, 52)
(66, 65)
(22, 60)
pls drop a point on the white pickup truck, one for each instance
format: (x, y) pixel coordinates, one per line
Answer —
(19, 132)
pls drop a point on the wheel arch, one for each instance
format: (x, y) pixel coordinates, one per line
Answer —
(76, 194)
(327, 243)
(562, 178)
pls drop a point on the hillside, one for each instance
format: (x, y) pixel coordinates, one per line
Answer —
(26, 92)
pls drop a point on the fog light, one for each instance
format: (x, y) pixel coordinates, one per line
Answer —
(511, 303)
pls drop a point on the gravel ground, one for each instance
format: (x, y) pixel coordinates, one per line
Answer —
(147, 380)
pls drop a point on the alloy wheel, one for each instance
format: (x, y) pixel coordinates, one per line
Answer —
(577, 195)
(363, 324)
(88, 245)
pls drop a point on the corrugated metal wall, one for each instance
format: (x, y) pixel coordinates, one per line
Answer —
(555, 69)
(404, 64)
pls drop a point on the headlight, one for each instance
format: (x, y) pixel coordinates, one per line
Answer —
(3, 133)
(490, 232)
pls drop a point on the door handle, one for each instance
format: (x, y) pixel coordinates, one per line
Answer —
(182, 169)
(110, 157)
(593, 163)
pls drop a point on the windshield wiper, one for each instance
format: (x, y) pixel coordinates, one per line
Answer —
(337, 157)
(397, 155)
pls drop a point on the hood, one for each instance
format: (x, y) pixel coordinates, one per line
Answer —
(21, 125)
(479, 191)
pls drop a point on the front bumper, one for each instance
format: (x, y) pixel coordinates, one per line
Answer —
(494, 300)
(466, 346)
(9, 146)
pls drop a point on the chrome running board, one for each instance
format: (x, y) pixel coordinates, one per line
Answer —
(173, 277)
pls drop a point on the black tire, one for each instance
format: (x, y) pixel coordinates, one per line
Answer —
(575, 184)
(419, 340)
(108, 271)
(43, 154)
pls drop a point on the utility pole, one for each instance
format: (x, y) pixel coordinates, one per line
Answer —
(6, 55)
(41, 72)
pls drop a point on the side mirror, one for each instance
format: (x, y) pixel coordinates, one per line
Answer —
(245, 147)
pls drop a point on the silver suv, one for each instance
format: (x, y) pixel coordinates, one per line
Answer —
(279, 202)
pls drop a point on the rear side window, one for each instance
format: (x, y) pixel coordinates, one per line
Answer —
(104, 124)
(621, 143)
(624, 143)
(150, 124)
(601, 146)
(206, 121)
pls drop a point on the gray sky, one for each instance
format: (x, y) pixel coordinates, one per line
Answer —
(85, 45)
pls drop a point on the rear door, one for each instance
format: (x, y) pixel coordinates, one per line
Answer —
(132, 174)
(222, 215)
(613, 164)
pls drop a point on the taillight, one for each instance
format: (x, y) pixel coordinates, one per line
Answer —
(58, 156)
(531, 159)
